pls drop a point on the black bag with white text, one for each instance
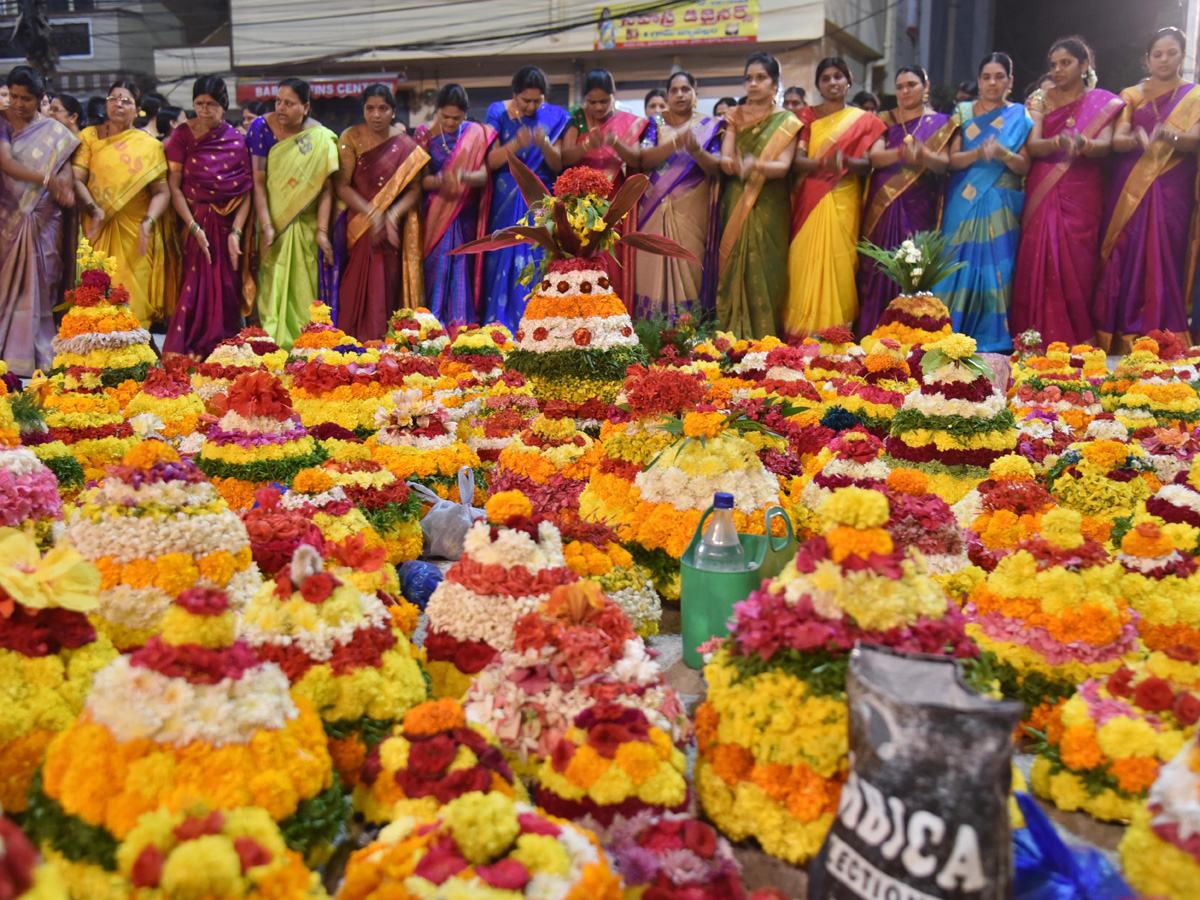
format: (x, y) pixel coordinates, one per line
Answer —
(924, 813)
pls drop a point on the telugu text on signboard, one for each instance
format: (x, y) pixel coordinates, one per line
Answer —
(700, 22)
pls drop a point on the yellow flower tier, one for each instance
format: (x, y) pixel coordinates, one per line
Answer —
(1103, 480)
(1162, 582)
(80, 413)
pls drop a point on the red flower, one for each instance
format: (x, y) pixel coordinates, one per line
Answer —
(256, 394)
(353, 554)
(581, 181)
(203, 601)
(1183, 653)
(583, 337)
(520, 335)
(193, 826)
(532, 823)
(626, 331)
(442, 861)
(18, 861)
(317, 588)
(561, 756)
(700, 838)
(118, 295)
(250, 852)
(147, 868)
(1186, 709)
(95, 278)
(462, 781)
(431, 758)
(539, 334)
(505, 875)
(1154, 695)
(472, 656)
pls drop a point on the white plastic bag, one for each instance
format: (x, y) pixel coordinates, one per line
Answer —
(446, 524)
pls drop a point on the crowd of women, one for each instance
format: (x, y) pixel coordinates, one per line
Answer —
(1075, 213)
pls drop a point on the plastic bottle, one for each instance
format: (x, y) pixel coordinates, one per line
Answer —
(720, 550)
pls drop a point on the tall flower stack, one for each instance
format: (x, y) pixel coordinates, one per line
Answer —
(416, 331)
(481, 845)
(320, 339)
(1043, 436)
(1161, 582)
(550, 461)
(1002, 511)
(477, 352)
(922, 520)
(192, 718)
(27, 422)
(79, 412)
(576, 649)
(1061, 390)
(155, 527)
(385, 502)
(275, 531)
(773, 731)
(508, 568)
(49, 653)
(349, 395)
(505, 410)
(258, 440)
(852, 459)
(99, 331)
(955, 424)
(23, 873)
(339, 520)
(251, 350)
(1102, 749)
(417, 442)
(1052, 615)
(838, 356)
(876, 395)
(433, 756)
(918, 264)
(912, 321)
(1103, 481)
(1159, 852)
(167, 394)
(341, 652)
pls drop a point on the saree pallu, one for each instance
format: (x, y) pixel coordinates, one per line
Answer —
(681, 203)
(505, 295)
(216, 179)
(453, 284)
(628, 128)
(297, 168)
(754, 240)
(31, 241)
(1149, 236)
(901, 201)
(982, 220)
(826, 211)
(370, 287)
(1060, 229)
(120, 171)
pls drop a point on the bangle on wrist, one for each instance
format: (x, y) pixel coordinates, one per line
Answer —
(149, 220)
(236, 232)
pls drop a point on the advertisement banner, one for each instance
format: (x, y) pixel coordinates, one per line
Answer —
(323, 87)
(699, 22)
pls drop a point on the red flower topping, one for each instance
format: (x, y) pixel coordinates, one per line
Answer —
(95, 278)
(505, 875)
(1154, 695)
(147, 868)
(441, 862)
(256, 394)
(193, 826)
(581, 181)
(430, 759)
(583, 337)
(1183, 653)
(353, 554)
(539, 334)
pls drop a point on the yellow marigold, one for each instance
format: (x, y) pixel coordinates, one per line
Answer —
(1063, 528)
(1012, 466)
(957, 346)
(1105, 455)
(703, 424)
(506, 504)
(312, 481)
(855, 507)
(908, 481)
(147, 453)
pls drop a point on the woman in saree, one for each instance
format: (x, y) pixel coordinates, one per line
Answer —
(210, 180)
(293, 158)
(35, 152)
(532, 129)
(904, 194)
(1149, 240)
(121, 184)
(681, 203)
(608, 140)
(982, 216)
(457, 194)
(756, 154)
(1064, 199)
(377, 180)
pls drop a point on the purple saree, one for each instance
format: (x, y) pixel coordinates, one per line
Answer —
(216, 179)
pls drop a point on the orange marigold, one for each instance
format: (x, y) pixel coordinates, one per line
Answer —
(731, 763)
(1079, 750)
(844, 541)
(146, 453)
(312, 481)
(908, 481)
(1146, 539)
(433, 716)
(505, 505)
(1134, 774)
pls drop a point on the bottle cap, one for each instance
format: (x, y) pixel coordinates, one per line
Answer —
(722, 500)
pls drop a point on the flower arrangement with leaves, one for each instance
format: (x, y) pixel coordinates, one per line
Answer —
(917, 264)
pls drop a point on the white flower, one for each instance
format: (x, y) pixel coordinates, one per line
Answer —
(147, 425)
(917, 272)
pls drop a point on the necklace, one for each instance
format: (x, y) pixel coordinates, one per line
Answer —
(918, 119)
(1158, 116)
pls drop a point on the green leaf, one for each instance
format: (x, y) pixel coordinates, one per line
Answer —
(280, 470)
(317, 820)
(46, 822)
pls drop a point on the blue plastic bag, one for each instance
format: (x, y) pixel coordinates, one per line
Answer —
(418, 580)
(1047, 869)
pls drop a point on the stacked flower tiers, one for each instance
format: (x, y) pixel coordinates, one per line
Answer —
(155, 527)
(505, 409)
(837, 356)
(1161, 583)
(29, 494)
(336, 516)
(258, 440)
(592, 551)
(340, 651)
(49, 653)
(550, 461)
(674, 857)
(1103, 481)
(476, 352)
(1002, 511)
(320, 339)
(876, 395)
(350, 395)
(912, 321)
(191, 719)
(1101, 750)
(99, 331)
(416, 331)
(252, 350)
(386, 502)
(79, 412)
(773, 733)
(23, 417)
(167, 395)
(508, 568)
(956, 424)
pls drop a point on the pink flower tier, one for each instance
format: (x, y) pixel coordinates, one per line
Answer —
(341, 652)
(1171, 451)
(29, 493)
(432, 757)
(258, 440)
(1162, 583)
(1102, 749)
(955, 424)
(576, 649)
(576, 339)
(1074, 399)
(1160, 851)
(156, 527)
(549, 462)
(924, 521)
(1052, 615)
(275, 531)
(611, 765)
(773, 731)
(190, 720)
(675, 857)
(49, 653)
(508, 568)
(1043, 436)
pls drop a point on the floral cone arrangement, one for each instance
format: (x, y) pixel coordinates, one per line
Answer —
(320, 339)
(99, 331)
(29, 493)
(1153, 404)
(27, 423)
(415, 331)
(1052, 616)
(341, 652)
(432, 757)
(674, 857)
(192, 718)
(876, 396)
(1043, 436)
(1061, 390)
(1002, 511)
(257, 441)
(386, 502)
(956, 424)
(837, 356)
(79, 412)
(1162, 583)
(1102, 749)
(476, 351)
(508, 568)
(912, 321)
(852, 459)
(773, 732)
(23, 875)
(591, 551)
(155, 527)
(1159, 852)
(252, 350)
(167, 393)
(481, 845)
(336, 516)
(49, 653)
(577, 649)
(276, 531)
(924, 521)
(549, 462)
(349, 395)
(1102, 481)
(505, 410)
(610, 766)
